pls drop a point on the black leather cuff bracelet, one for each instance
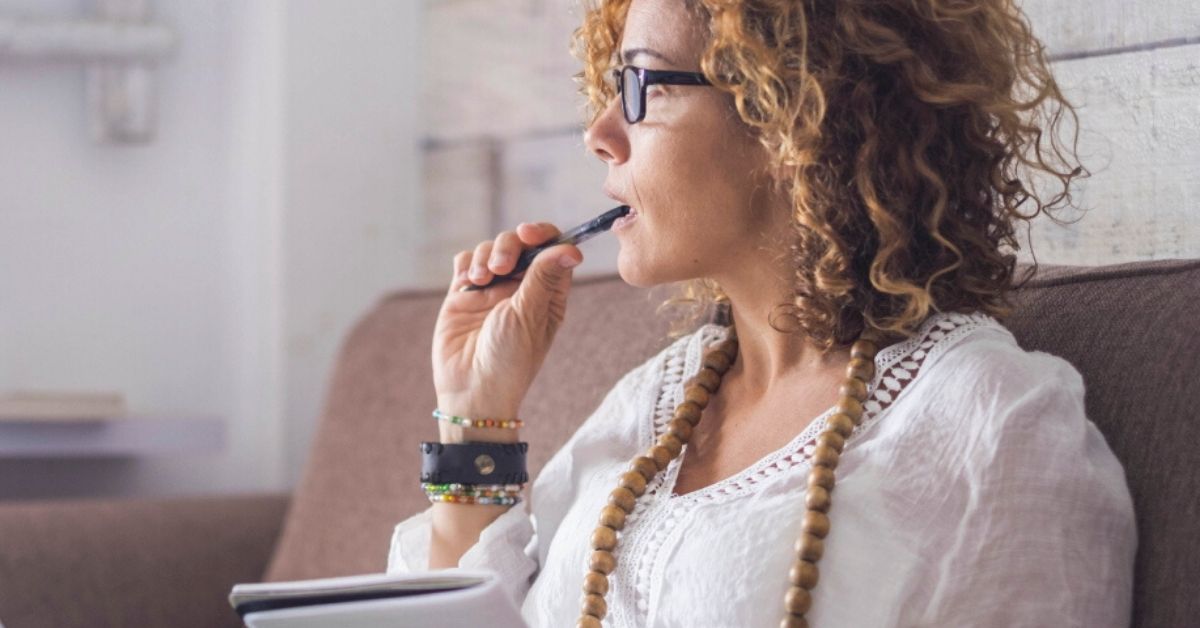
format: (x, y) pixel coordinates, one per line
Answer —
(474, 463)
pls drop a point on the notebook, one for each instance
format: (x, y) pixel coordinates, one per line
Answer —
(450, 598)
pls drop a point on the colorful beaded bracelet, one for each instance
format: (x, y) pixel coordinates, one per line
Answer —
(509, 424)
(469, 487)
(471, 492)
(468, 499)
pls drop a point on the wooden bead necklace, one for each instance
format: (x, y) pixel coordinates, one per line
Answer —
(809, 546)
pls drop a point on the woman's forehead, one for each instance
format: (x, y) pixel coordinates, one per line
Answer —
(662, 30)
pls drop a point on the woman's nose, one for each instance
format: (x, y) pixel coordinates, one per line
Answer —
(606, 136)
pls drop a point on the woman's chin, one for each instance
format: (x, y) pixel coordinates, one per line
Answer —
(631, 273)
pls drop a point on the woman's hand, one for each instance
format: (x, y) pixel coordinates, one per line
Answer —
(489, 344)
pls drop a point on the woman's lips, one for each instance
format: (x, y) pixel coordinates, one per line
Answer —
(624, 221)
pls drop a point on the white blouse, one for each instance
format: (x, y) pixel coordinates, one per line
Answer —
(975, 492)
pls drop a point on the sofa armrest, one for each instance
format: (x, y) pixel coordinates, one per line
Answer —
(133, 562)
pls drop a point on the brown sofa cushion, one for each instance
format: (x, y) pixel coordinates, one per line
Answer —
(1126, 327)
(92, 563)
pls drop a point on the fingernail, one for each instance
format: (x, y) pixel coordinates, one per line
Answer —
(567, 261)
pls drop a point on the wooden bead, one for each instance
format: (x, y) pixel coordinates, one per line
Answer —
(595, 582)
(859, 368)
(602, 561)
(593, 605)
(717, 361)
(850, 407)
(709, 379)
(823, 477)
(634, 481)
(660, 455)
(802, 574)
(825, 456)
(815, 523)
(817, 498)
(672, 444)
(587, 621)
(613, 517)
(863, 348)
(644, 465)
(833, 440)
(681, 429)
(855, 388)
(808, 547)
(793, 621)
(729, 347)
(689, 411)
(697, 395)
(841, 424)
(605, 538)
(797, 601)
(622, 498)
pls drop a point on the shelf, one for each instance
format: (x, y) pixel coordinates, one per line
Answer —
(122, 437)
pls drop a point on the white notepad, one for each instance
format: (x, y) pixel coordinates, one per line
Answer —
(448, 598)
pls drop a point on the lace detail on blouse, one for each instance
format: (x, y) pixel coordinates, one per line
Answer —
(652, 521)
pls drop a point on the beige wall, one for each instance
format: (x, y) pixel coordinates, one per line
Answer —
(503, 142)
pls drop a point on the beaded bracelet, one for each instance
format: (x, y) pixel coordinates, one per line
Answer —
(469, 489)
(497, 494)
(470, 492)
(502, 494)
(510, 424)
(467, 499)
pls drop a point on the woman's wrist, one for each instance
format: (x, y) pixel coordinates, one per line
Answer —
(449, 432)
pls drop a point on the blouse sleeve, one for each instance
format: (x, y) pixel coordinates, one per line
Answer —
(1047, 537)
(506, 546)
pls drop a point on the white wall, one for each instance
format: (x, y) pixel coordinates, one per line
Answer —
(351, 183)
(214, 271)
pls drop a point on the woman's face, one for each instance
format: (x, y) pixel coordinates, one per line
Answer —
(690, 169)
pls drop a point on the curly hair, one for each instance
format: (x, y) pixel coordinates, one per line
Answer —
(907, 134)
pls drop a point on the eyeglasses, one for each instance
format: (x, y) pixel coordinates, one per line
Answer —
(631, 86)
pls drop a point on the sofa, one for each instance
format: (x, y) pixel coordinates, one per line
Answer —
(1130, 329)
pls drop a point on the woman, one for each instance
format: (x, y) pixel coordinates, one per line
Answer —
(824, 172)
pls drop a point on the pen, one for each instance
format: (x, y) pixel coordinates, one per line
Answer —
(576, 235)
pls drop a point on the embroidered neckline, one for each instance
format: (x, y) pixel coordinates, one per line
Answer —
(896, 366)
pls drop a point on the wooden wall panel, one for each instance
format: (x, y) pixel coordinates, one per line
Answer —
(500, 68)
(501, 106)
(1140, 115)
(1073, 28)
(459, 206)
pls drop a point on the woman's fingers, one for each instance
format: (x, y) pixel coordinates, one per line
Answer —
(462, 262)
(478, 272)
(499, 256)
(535, 233)
(505, 251)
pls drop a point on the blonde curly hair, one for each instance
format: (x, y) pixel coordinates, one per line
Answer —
(908, 135)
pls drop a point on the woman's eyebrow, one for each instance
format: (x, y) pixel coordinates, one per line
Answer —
(630, 54)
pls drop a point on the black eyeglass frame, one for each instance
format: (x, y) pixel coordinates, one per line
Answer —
(646, 78)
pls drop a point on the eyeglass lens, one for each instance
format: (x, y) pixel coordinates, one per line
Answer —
(631, 94)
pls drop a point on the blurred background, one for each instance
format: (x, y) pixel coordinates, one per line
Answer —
(199, 199)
